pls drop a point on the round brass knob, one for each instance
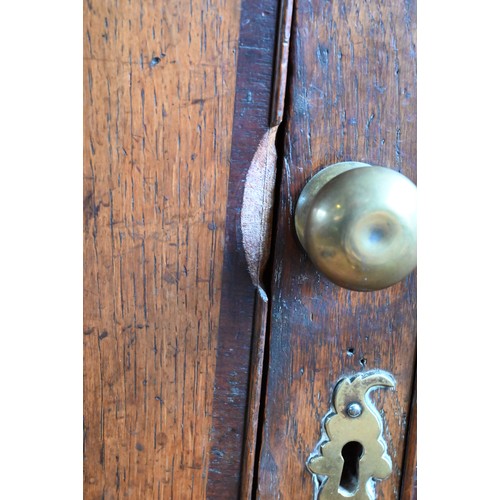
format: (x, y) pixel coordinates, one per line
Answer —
(358, 225)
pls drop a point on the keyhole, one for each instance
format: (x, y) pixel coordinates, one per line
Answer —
(376, 235)
(349, 479)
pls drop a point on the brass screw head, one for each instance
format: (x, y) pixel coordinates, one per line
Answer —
(354, 410)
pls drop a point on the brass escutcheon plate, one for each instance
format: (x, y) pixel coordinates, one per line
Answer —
(352, 454)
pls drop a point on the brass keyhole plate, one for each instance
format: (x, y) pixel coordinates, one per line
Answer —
(352, 453)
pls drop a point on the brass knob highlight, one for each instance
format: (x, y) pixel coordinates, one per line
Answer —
(358, 225)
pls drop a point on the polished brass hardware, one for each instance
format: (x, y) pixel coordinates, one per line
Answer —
(358, 225)
(352, 453)
(354, 410)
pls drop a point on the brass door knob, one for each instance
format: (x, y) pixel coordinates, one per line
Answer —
(358, 225)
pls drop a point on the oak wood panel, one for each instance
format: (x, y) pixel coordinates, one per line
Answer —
(352, 96)
(158, 111)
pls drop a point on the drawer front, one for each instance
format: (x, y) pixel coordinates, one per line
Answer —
(351, 97)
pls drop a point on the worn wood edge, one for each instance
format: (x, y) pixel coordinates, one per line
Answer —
(409, 477)
(281, 62)
(253, 101)
(254, 393)
(260, 331)
(256, 228)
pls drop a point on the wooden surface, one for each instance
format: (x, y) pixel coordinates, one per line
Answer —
(409, 481)
(281, 62)
(158, 112)
(251, 121)
(352, 96)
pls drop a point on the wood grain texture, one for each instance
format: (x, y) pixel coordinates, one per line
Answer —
(281, 62)
(409, 480)
(255, 383)
(238, 301)
(352, 96)
(158, 111)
